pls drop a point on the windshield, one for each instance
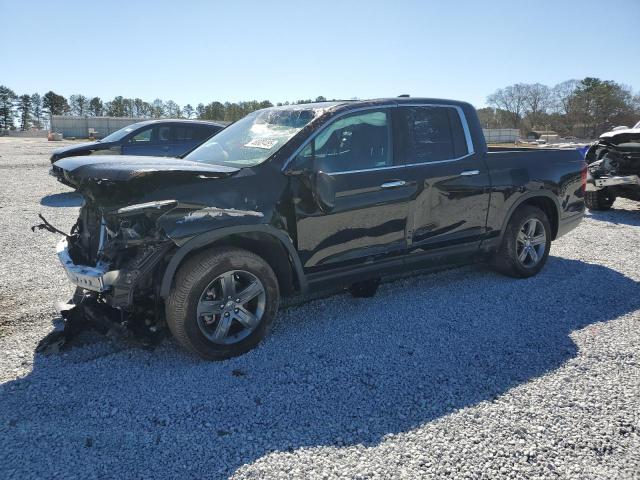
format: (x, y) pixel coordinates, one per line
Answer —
(120, 134)
(254, 138)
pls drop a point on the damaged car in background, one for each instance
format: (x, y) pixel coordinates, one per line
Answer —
(295, 199)
(614, 168)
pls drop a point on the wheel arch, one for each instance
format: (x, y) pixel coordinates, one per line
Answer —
(545, 201)
(271, 244)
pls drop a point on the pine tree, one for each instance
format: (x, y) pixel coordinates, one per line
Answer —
(7, 104)
(55, 104)
(36, 110)
(24, 109)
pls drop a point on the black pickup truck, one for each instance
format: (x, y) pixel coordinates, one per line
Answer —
(297, 198)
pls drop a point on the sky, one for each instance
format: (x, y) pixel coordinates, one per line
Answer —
(200, 51)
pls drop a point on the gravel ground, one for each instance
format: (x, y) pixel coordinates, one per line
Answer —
(463, 373)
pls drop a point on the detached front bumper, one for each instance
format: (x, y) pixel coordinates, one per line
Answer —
(96, 279)
(595, 184)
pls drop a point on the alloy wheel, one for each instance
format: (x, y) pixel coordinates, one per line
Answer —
(231, 307)
(531, 243)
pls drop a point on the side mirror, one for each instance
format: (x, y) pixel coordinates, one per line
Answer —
(324, 192)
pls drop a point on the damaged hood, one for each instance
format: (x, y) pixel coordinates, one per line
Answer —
(123, 168)
(622, 136)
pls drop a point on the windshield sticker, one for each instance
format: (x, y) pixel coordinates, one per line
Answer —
(265, 143)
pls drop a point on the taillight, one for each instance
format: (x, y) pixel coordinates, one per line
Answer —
(584, 178)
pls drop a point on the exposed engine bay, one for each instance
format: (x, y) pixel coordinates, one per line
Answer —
(614, 168)
(114, 259)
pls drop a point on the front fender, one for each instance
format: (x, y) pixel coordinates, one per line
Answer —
(208, 238)
(185, 223)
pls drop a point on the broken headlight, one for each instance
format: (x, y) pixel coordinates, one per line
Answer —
(135, 224)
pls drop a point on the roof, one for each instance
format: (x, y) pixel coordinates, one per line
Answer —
(349, 104)
(182, 120)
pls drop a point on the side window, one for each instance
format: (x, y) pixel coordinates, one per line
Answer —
(143, 136)
(358, 142)
(182, 133)
(164, 134)
(435, 133)
(202, 132)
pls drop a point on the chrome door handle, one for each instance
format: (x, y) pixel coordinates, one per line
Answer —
(397, 183)
(468, 173)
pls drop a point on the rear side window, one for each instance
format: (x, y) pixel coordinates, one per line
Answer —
(357, 142)
(187, 133)
(164, 134)
(434, 133)
(183, 133)
(202, 132)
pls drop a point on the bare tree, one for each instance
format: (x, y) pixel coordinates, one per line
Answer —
(171, 109)
(538, 101)
(157, 108)
(511, 99)
(562, 95)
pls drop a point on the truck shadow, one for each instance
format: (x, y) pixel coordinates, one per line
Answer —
(338, 371)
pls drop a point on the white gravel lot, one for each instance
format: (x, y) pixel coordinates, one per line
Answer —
(464, 373)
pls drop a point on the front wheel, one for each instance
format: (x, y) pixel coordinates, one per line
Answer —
(525, 244)
(223, 302)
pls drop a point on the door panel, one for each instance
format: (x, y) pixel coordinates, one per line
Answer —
(368, 219)
(451, 208)
(451, 205)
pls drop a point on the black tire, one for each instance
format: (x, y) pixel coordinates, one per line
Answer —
(190, 283)
(599, 200)
(506, 259)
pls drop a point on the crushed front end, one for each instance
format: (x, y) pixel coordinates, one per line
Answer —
(613, 168)
(136, 212)
(114, 258)
(614, 164)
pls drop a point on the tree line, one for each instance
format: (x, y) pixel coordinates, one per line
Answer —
(582, 108)
(24, 112)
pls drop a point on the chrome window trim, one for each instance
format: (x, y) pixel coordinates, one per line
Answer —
(406, 165)
(461, 115)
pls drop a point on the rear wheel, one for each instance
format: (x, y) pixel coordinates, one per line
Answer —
(525, 244)
(599, 200)
(223, 302)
